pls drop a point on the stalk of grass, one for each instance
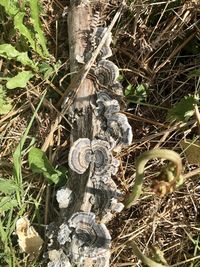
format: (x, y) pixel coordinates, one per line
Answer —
(18, 154)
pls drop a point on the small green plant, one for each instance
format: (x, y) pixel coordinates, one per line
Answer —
(136, 94)
(30, 39)
(39, 163)
(12, 196)
(184, 109)
(35, 35)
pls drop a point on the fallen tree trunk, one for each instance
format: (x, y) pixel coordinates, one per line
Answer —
(83, 118)
(90, 198)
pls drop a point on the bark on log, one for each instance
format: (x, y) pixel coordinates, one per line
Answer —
(79, 20)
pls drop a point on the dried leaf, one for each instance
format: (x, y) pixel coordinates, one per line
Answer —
(192, 151)
(28, 239)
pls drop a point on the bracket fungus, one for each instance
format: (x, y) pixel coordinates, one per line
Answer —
(120, 129)
(105, 51)
(98, 153)
(89, 233)
(84, 240)
(105, 199)
(106, 72)
(104, 162)
(80, 155)
(117, 88)
(117, 125)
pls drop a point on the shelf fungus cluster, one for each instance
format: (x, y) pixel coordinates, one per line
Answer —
(82, 242)
(83, 238)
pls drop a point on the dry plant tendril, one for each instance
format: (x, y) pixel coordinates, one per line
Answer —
(164, 186)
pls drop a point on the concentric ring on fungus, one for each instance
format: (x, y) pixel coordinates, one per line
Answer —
(89, 233)
(80, 155)
(103, 159)
(106, 72)
(106, 197)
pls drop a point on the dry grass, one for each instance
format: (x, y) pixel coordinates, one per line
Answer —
(156, 44)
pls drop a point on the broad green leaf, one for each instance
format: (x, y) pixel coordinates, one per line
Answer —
(20, 80)
(35, 18)
(19, 24)
(9, 52)
(11, 6)
(7, 203)
(7, 186)
(39, 163)
(184, 109)
(5, 102)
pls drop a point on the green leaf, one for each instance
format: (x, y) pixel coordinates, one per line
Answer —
(46, 69)
(20, 80)
(7, 186)
(12, 9)
(138, 93)
(35, 18)
(184, 109)
(9, 52)
(11, 6)
(141, 91)
(5, 102)
(7, 203)
(39, 163)
(128, 90)
(19, 24)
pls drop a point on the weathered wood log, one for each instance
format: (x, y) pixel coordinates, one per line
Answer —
(91, 196)
(79, 19)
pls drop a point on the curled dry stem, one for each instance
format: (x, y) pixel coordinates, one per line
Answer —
(147, 261)
(172, 173)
